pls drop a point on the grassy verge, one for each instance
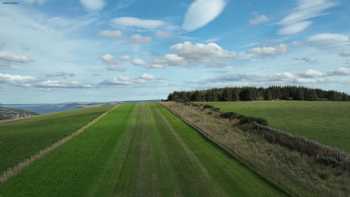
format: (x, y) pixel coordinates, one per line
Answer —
(326, 122)
(23, 138)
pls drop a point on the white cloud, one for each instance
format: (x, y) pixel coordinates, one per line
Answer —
(329, 39)
(35, 2)
(201, 52)
(138, 61)
(147, 77)
(138, 22)
(140, 39)
(301, 17)
(111, 33)
(259, 19)
(157, 65)
(109, 59)
(51, 84)
(93, 5)
(15, 79)
(14, 57)
(188, 53)
(309, 76)
(310, 73)
(202, 12)
(269, 50)
(342, 71)
(127, 81)
(295, 28)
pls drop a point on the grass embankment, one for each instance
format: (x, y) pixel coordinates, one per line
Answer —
(137, 151)
(326, 122)
(23, 138)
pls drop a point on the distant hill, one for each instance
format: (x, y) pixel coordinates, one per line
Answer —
(10, 113)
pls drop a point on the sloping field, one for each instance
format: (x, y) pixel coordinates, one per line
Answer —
(137, 150)
(326, 122)
(23, 138)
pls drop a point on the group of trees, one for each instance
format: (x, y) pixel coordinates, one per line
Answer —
(253, 93)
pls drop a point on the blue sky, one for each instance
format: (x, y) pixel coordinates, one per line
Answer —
(54, 51)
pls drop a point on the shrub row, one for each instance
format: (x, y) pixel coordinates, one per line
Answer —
(322, 153)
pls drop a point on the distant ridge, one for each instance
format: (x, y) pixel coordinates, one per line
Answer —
(10, 113)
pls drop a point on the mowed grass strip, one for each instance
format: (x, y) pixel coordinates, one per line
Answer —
(23, 138)
(326, 122)
(76, 166)
(221, 174)
(137, 151)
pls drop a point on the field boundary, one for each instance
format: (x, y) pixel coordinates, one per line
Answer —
(230, 153)
(15, 170)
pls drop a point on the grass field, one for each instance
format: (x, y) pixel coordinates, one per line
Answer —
(326, 122)
(21, 139)
(137, 150)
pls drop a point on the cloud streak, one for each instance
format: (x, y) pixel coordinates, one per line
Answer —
(300, 18)
(138, 22)
(202, 12)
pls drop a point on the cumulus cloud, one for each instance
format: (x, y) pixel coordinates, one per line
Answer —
(259, 19)
(306, 77)
(127, 81)
(12, 57)
(199, 52)
(202, 12)
(300, 18)
(109, 59)
(93, 5)
(329, 39)
(269, 50)
(138, 22)
(140, 39)
(111, 33)
(30, 81)
(194, 53)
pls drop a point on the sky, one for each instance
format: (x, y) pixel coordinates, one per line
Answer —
(54, 51)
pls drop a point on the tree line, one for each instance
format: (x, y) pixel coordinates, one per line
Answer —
(254, 93)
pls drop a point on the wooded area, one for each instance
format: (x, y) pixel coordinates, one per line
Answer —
(253, 93)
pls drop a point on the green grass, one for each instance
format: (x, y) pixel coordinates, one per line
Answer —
(23, 138)
(326, 122)
(140, 150)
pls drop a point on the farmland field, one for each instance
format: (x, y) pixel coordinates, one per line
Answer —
(326, 122)
(137, 150)
(22, 138)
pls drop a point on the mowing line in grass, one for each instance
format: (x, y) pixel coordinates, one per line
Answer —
(75, 167)
(235, 179)
(21, 139)
(137, 151)
(13, 171)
